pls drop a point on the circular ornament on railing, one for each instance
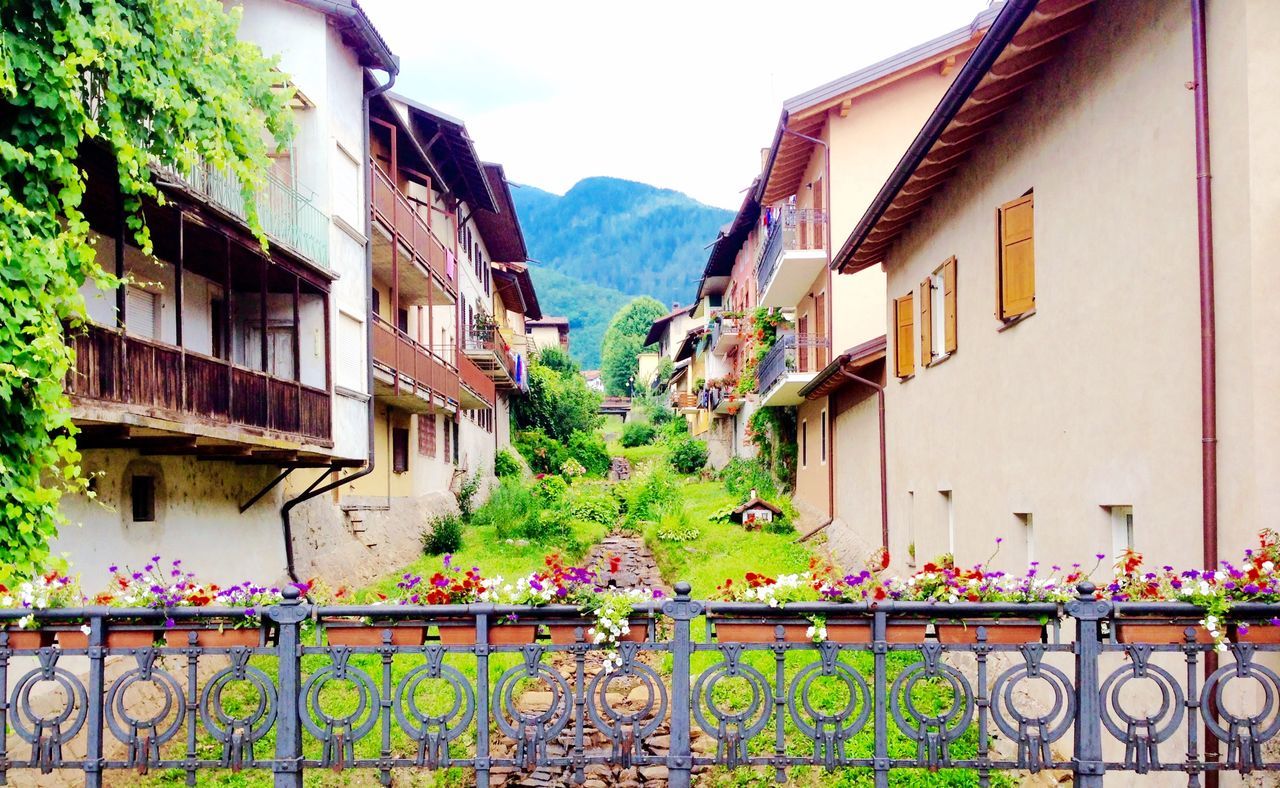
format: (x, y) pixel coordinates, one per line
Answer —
(48, 732)
(933, 732)
(1141, 733)
(518, 724)
(447, 725)
(343, 731)
(1244, 734)
(816, 724)
(1033, 733)
(237, 734)
(144, 734)
(643, 721)
(732, 729)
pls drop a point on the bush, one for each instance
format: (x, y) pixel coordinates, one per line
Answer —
(557, 404)
(596, 506)
(506, 465)
(507, 508)
(676, 527)
(740, 476)
(467, 494)
(544, 454)
(689, 455)
(638, 433)
(675, 429)
(549, 525)
(551, 491)
(652, 495)
(589, 449)
(444, 536)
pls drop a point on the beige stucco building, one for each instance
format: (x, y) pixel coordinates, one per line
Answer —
(1067, 416)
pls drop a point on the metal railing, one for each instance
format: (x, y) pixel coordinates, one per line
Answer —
(491, 347)
(1088, 694)
(727, 328)
(792, 229)
(286, 216)
(789, 354)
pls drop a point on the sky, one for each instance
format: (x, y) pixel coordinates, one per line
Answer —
(681, 95)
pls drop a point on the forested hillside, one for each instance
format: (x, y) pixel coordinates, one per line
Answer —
(607, 240)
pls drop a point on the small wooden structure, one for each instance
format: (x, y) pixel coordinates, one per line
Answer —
(755, 513)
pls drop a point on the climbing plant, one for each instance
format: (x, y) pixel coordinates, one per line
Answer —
(761, 337)
(144, 81)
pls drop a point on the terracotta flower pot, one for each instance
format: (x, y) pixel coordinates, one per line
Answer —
(1262, 633)
(137, 637)
(1008, 632)
(730, 631)
(903, 633)
(1159, 631)
(500, 635)
(214, 637)
(563, 634)
(345, 632)
(29, 639)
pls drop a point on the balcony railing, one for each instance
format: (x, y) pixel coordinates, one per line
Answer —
(1089, 695)
(477, 381)
(286, 216)
(793, 229)
(784, 357)
(394, 211)
(413, 366)
(726, 332)
(115, 367)
(682, 400)
(489, 350)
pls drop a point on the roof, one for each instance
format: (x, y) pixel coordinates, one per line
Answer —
(518, 276)
(690, 340)
(725, 249)
(807, 113)
(615, 404)
(1024, 36)
(854, 360)
(545, 321)
(500, 228)
(756, 503)
(357, 31)
(658, 326)
(448, 141)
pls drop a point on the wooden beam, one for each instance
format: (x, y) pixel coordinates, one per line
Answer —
(947, 65)
(219, 451)
(846, 105)
(158, 444)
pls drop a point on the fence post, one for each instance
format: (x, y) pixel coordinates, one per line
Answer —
(1088, 764)
(288, 615)
(681, 611)
(97, 693)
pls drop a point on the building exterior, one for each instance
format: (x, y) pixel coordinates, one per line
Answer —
(210, 389)
(1057, 391)
(548, 332)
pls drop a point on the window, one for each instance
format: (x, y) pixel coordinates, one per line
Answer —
(824, 437)
(904, 360)
(804, 444)
(399, 449)
(402, 320)
(427, 434)
(142, 494)
(951, 520)
(1016, 267)
(1029, 530)
(142, 313)
(820, 323)
(377, 302)
(455, 443)
(911, 528)
(448, 443)
(1121, 530)
(938, 313)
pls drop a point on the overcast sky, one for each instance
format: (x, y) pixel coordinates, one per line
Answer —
(681, 95)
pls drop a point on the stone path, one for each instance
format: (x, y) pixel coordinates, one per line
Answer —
(638, 569)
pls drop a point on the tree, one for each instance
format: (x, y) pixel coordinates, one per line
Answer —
(624, 341)
(147, 81)
(557, 404)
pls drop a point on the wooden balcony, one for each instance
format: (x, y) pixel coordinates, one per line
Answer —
(490, 352)
(420, 379)
(478, 389)
(171, 387)
(428, 254)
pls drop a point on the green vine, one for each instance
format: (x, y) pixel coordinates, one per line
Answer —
(772, 431)
(762, 335)
(147, 81)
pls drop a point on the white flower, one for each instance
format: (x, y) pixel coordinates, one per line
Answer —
(84, 628)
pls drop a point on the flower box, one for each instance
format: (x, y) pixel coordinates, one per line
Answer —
(29, 639)
(1263, 633)
(116, 637)
(1013, 632)
(464, 634)
(350, 632)
(563, 634)
(756, 630)
(214, 636)
(1159, 631)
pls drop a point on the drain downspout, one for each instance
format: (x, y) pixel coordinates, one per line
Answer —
(313, 491)
(880, 402)
(1208, 327)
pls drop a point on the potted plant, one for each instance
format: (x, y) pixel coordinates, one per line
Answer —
(1134, 584)
(818, 584)
(44, 592)
(152, 587)
(244, 630)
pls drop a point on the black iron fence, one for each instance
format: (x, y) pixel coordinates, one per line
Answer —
(1091, 688)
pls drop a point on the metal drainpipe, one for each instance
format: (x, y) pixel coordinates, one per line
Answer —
(884, 475)
(313, 491)
(831, 422)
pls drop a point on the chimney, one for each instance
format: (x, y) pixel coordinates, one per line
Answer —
(675, 305)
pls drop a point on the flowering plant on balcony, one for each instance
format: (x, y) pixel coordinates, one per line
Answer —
(452, 586)
(47, 591)
(772, 591)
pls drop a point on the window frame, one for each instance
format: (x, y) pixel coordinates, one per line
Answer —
(399, 449)
(144, 503)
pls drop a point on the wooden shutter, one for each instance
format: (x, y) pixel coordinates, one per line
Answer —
(820, 318)
(427, 434)
(949, 299)
(802, 349)
(1017, 258)
(926, 320)
(905, 360)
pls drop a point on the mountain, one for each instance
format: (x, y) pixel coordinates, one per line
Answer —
(607, 240)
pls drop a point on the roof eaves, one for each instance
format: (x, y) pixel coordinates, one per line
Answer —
(358, 32)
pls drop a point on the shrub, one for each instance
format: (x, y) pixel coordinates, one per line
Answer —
(549, 525)
(589, 449)
(675, 429)
(444, 535)
(689, 455)
(551, 491)
(467, 494)
(638, 433)
(596, 506)
(558, 404)
(507, 508)
(740, 476)
(651, 495)
(571, 469)
(675, 527)
(506, 465)
(544, 454)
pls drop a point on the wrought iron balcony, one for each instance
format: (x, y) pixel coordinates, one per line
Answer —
(727, 333)
(1096, 693)
(793, 254)
(787, 365)
(287, 217)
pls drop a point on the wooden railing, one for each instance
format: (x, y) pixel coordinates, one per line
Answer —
(393, 210)
(114, 367)
(415, 367)
(475, 379)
